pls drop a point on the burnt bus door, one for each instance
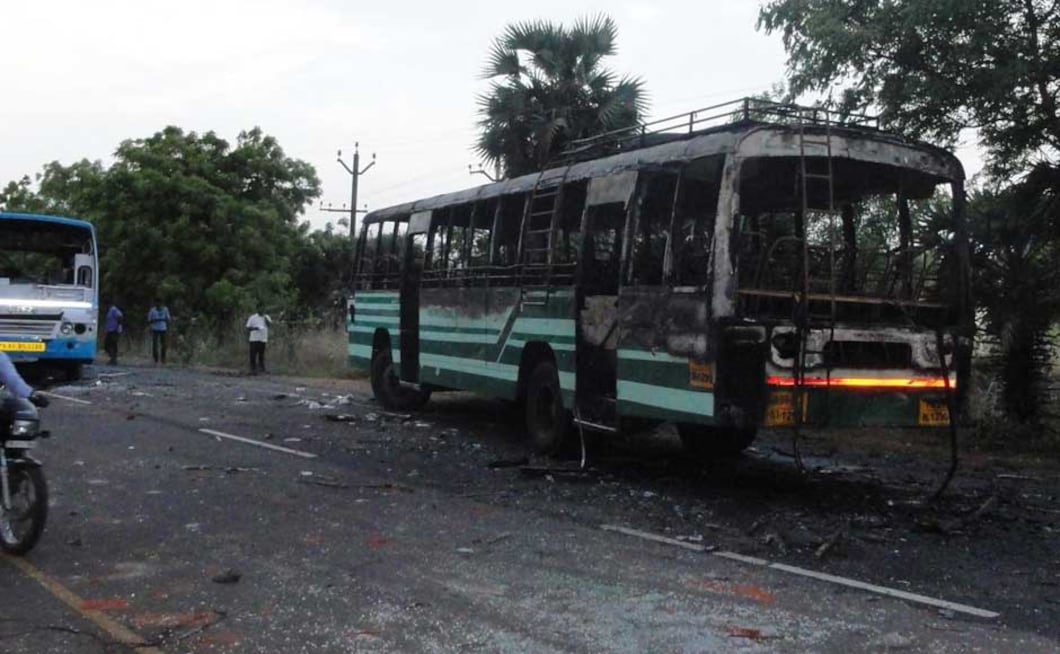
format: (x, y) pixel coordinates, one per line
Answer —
(412, 272)
(603, 229)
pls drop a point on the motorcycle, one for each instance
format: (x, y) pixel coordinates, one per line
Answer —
(23, 490)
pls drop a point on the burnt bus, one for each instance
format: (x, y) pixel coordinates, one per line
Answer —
(762, 265)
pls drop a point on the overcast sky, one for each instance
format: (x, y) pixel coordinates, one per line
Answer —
(399, 76)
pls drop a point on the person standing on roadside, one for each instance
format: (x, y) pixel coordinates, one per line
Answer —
(158, 317)
(258, 335)
(112, 329)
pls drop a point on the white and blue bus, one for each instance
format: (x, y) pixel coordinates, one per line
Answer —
(48, 291)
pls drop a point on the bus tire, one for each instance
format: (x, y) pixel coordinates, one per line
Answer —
(388, 389)
(547, 422)
(705, 442)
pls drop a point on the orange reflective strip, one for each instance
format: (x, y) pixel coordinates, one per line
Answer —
(865, 382)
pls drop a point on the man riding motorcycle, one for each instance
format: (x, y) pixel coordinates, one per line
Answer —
(23, 489)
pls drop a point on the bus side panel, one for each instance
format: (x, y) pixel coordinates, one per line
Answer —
(546, 317)
(372, 310)
(454, 326)
(665, 364)
(472, 338)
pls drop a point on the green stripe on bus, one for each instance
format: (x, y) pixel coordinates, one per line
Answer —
(673, 399)
(365, 352)
(377, 320)
(471, 366)
(377, 298)
(544, 326)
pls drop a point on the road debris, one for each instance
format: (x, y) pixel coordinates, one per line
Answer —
(229, 576)
(833, 541)
(774, 538)
(340, 417)
(568, 474)
(327, 483)
(509, 463)
(745, 632)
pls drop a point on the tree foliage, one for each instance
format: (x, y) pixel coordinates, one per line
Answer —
(934, 67)
(211, 228)
(1017, 280)
(550, 87)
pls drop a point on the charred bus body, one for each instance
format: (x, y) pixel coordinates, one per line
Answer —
(777, 269)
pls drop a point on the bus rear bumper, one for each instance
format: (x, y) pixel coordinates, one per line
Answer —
(863, 407)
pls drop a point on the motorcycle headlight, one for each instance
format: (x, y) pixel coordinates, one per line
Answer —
(66, 327)
(25, 428)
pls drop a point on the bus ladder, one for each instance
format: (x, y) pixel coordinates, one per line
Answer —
(535, 240)
(803, 317)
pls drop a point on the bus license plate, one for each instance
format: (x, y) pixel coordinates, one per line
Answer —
(933, 413)
(781, 410)
(21, 346)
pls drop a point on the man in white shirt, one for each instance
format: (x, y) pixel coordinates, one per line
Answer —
(258, 335)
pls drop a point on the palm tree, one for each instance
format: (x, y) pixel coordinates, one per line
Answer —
(553, 90)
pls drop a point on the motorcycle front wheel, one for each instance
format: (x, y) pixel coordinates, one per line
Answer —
(21, 523)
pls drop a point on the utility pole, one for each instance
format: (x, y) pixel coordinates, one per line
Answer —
(355, 172)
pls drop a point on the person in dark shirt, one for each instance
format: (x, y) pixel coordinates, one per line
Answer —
(112, 328)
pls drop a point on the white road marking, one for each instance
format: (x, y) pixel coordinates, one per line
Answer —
(655, 537)
(251, 441)
(820, 576)
(64, 397)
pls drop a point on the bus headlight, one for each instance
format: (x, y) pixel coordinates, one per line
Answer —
(66, 328)
(24, 428)
(786, 344)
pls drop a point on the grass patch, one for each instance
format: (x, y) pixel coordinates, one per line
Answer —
(292, 350)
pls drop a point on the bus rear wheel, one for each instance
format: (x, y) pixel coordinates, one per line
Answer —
(706, 442)
(388, 389)
(547, 422)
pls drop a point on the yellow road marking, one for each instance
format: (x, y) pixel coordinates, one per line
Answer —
(111, 627)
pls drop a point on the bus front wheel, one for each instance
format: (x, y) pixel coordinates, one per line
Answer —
(547, 422)
(706, 442)
(388, 389)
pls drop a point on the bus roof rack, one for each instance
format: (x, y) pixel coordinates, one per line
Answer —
(719, 117)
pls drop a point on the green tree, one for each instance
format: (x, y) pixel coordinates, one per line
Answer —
(322, 271)
(1017, 280)
(933, 68)
(208, 227)
(552, 89)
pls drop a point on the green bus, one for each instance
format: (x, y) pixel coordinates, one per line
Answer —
(751, 264)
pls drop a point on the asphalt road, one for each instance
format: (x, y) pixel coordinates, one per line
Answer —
(369, 532)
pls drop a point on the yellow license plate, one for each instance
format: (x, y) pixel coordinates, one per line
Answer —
(701, 375)
(21, 346)
(780, 412)
(933, 413)
(781, 409)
